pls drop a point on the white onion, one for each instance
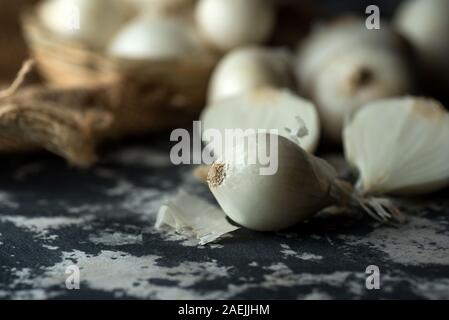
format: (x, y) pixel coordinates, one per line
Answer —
(344, 65)
(249, 68)
(157, 38)
(228, 24)
(92, 21)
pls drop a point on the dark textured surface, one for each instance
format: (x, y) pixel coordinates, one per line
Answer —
(52, 216)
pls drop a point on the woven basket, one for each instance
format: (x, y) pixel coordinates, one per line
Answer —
(148, 95)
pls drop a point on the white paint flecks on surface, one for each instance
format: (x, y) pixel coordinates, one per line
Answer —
(173, 236)
(433, 290)
(46, 246)
(42, 226)
(280, 275)
(353, 282)
(121, 273)
(143, 201)
(287, 251)
(253, 264)
(144, 277)
(309, 256)
(315, 295)
(115, 238)
(87, 208)
(420, 242)
(183, 240)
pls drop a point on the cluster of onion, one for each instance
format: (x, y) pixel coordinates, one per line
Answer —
(158, 29)
(341, 67)
(359, 80)
(344, 65)
(252, 88)
(399, 146)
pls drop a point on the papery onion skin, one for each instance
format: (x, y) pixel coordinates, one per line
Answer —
(266, 109)
(399, 146)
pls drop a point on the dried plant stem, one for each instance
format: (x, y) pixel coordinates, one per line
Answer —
(15, 145)
(380, 209)
(71, 122)
(68, 122)
(46, 118)
(20, 79)
(201, 172)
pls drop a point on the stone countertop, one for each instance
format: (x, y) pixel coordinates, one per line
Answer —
(53, 216)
